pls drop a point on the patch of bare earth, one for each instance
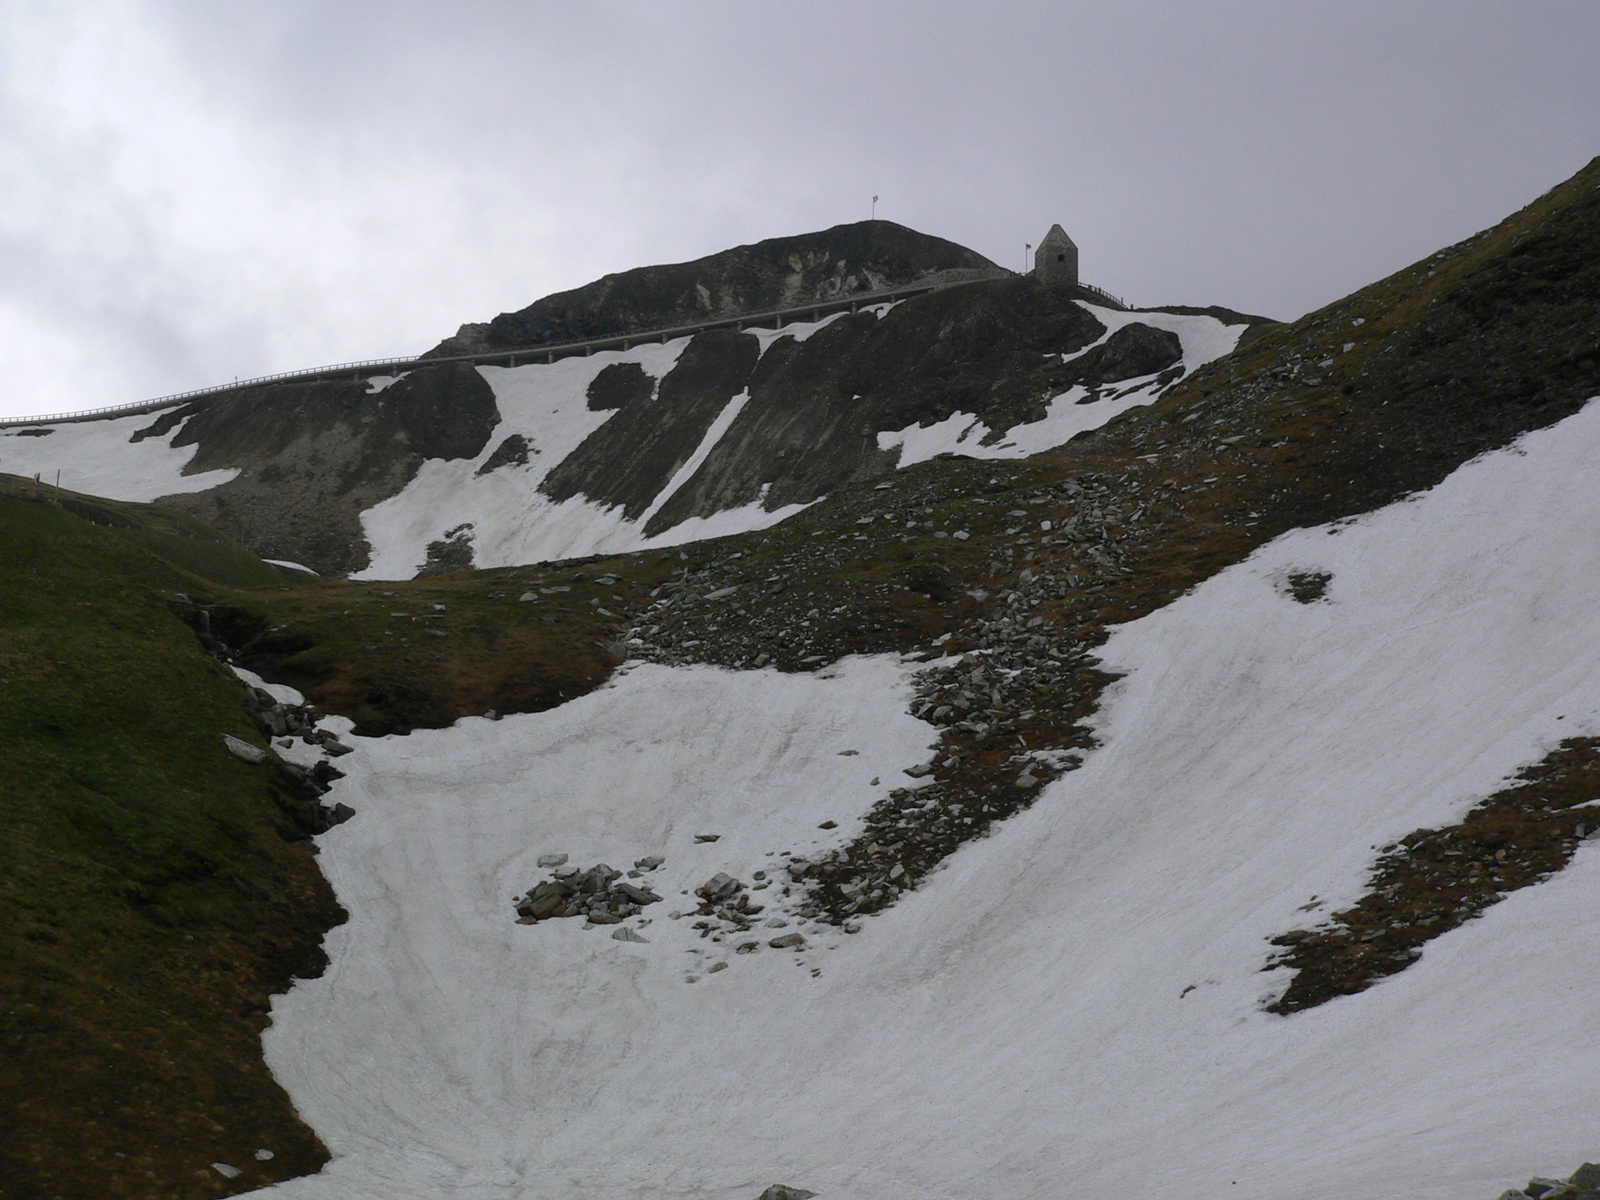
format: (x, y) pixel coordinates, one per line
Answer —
(1433, 880)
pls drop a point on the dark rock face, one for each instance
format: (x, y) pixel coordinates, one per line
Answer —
(312, 456)
(451, 553)
(774, 274)
(161, 426)
(1130, 352)
(634, 455)
(618, 386)
(513, 452)
(816, 407)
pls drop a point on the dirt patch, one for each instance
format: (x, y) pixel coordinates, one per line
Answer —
(1307, 587)
(1433, 880)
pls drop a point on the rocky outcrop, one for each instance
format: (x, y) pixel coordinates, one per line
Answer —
(777, 273)
(313, 456)
(634, 455)
(816, 407)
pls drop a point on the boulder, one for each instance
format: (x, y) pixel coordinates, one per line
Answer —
(239, 749)
(638, 895)
(719, 886)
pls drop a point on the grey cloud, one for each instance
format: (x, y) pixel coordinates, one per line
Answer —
(406, 167)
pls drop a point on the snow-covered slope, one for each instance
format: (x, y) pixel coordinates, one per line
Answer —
(100, 457)
(362, 478)
(1076, 1002)
(513, 522)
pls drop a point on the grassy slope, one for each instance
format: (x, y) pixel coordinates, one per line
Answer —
(151, 903)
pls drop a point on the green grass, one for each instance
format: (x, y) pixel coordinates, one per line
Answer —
(150, 900)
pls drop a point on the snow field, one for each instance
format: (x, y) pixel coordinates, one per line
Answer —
(1203, 338)
(98, 458)
(1024, 1024)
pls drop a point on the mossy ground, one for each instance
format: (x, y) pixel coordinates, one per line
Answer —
(151, 903)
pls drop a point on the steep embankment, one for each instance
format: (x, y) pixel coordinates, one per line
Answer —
(156, 890)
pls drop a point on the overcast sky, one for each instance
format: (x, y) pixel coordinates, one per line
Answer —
(191, 192)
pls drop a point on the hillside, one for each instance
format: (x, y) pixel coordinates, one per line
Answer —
(156, 889)
(450, 465)
(1211, 765)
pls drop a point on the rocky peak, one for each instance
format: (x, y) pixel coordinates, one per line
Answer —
(777, 273)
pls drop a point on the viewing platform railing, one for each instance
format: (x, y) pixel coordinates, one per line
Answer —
(546, 353)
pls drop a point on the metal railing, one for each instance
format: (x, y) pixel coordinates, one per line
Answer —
(546, 352)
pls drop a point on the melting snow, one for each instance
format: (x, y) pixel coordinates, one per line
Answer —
(1018, 1025)
(98, 458)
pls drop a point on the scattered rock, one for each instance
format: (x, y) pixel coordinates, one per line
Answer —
(787, 940)
(551, 860)
(227, 1172)
(600, 894)
(707, 837)
(719, 887)
(1582, 1184)
(638, 895)
(264, 1156)
(628, 935)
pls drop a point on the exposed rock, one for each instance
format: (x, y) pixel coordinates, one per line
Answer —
(777, 273)
(244, 750)
(599, 893)
(513, 452)
(312, 456)
(618, 386)
(719, 886)
(630, 459)
(471, 338)
(783, 1191)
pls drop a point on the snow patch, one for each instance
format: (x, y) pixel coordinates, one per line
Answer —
(100, 459)
(293, 566)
